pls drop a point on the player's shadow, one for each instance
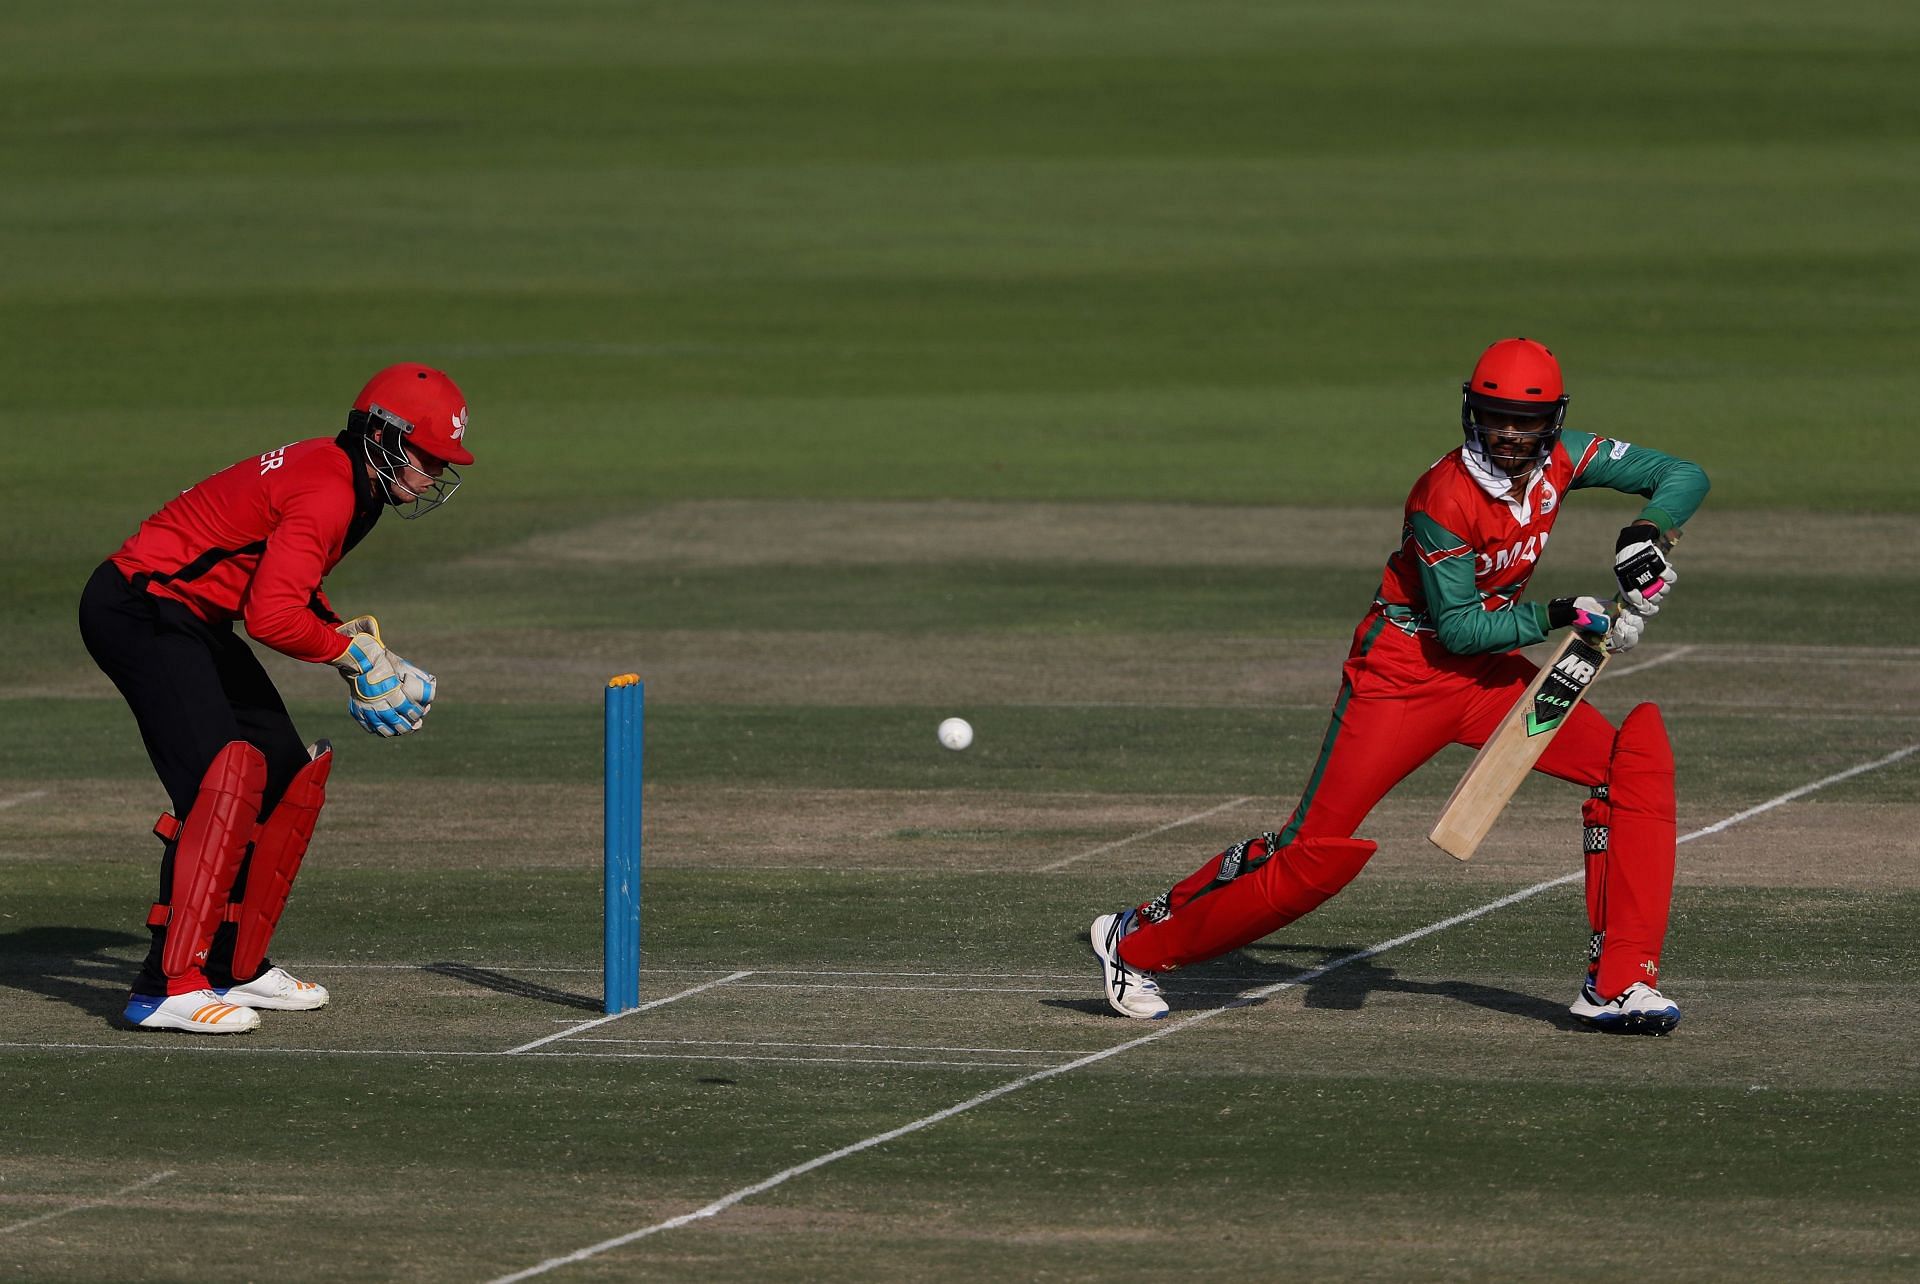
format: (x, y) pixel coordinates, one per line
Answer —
(1347, 987)
(84, 967)
(517, 986)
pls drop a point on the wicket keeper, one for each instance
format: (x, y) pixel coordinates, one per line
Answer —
(252, 543)
(1435, 662)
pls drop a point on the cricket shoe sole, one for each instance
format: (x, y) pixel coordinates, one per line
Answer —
(1640, 1009)
(276, 989)
(198, 1012)
(1131, 993)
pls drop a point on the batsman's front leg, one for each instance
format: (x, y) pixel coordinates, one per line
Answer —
(1630, 881)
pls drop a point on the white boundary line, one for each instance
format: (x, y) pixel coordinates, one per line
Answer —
(15, 801)
(1174, 1027)
(644, 1007)
(102, 1202)
(1065, 861)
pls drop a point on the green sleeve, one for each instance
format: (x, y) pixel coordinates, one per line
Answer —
(1463, 625)
(1673, 488)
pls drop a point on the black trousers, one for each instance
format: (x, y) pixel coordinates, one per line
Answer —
(193, 687)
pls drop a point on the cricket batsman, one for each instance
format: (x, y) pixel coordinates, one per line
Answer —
(251, 543)
(1435, 663)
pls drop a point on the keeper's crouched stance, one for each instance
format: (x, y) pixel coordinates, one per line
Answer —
(252, 543)
(1434, 663)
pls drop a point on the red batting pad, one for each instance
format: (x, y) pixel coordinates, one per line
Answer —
(1642, 845)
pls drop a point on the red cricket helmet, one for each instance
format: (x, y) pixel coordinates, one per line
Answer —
(1517, 378)
(424, 404)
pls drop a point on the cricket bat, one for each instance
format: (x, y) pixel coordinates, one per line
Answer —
(1517, 743)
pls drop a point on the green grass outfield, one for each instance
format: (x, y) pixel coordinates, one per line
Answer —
(842, 366)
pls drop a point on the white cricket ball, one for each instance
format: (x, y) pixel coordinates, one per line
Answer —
(956, 733)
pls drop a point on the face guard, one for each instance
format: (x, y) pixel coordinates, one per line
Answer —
(1539, 426)
(387, 456)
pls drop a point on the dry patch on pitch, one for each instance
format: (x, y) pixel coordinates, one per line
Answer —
(738, 532)
(1816, 842)
(854, 669)
(1810, 843)
(774, 828)
(1807, 683)
(509, 825)
(728, 532)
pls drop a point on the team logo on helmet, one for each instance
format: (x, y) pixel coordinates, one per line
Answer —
(459, 424)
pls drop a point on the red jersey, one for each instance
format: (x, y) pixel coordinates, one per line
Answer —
(252, 543)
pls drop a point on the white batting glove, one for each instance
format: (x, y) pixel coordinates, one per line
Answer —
(1625, 633)
(377, 697)
(1645, 573)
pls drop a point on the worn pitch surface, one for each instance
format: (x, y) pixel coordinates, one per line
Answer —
(850, 929)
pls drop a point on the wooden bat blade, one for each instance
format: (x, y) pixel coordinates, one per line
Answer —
(1516, 744)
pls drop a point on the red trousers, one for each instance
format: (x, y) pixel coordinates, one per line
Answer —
(1404, 698)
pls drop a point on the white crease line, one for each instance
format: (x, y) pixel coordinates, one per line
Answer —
(1804, 790)
(1065, 861)
(15, 801)
(644, 1007)
(805, 1061)
(488, 1054)
(1173, 1027)
(915, 989)
(1666, 657)
(508, 969)
(489, 967)
(122, 1193)
(840, 1047)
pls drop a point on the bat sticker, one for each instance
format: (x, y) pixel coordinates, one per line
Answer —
(1571, 675)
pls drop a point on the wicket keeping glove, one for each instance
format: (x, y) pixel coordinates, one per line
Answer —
(419, 685)
(377, 696)
(1644, 572)
(1587, 614)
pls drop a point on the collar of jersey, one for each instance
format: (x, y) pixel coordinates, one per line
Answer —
(1496, 483)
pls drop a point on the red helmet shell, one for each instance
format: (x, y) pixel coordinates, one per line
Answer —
(429, 406)
(1518, 370)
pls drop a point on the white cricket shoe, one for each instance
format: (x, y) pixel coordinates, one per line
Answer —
(1130, 993)
(198, 1012)
(1640, 1009)
(275, 988)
